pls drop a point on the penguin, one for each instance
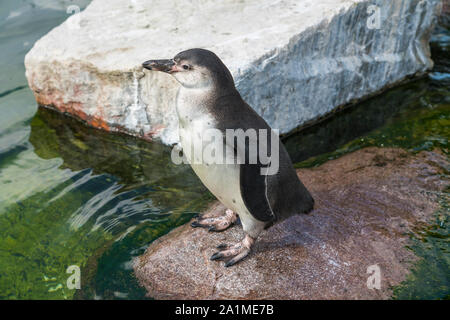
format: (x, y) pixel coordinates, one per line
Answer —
(208, 100)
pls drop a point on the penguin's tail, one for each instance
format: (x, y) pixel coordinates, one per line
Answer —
(310, 206)
(300, 203)
(306, 201)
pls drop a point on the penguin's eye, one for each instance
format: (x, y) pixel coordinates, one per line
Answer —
(185, 67)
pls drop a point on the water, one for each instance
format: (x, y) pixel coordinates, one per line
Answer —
(72, 195)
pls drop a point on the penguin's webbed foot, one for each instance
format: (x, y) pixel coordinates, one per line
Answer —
(234, 253)
(216, 224)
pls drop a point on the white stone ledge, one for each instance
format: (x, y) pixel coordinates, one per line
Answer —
(293, 61)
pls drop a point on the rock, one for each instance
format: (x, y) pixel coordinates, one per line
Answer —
(367, 203)
(293, 61)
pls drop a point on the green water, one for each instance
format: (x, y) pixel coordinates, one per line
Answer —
(105, 197)
(71, 195)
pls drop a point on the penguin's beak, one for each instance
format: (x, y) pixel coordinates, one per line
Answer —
(165, 65)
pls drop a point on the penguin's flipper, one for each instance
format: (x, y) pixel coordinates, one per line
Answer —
(253, 184)
(254, 192)
(271, 196)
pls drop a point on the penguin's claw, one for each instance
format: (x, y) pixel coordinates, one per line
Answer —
(195, 224)
(234, 253)
(216, 224)
(236, 259)
(222, 246)
(216, 256)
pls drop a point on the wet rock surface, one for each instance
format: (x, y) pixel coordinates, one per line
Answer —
(367, 204)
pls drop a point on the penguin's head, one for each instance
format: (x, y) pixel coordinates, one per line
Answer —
(194, 68)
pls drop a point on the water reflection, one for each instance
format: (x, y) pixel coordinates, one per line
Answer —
(106, 195)
(130, 180)
(136, 164)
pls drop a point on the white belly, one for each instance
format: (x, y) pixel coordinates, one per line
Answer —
(223, 180)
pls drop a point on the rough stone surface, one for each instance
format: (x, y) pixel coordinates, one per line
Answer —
(292, 60)
(367, 203)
